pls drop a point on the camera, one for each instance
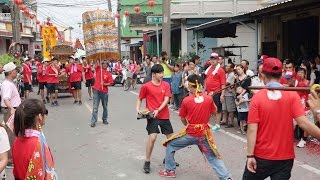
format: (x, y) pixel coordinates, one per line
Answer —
(145, 115)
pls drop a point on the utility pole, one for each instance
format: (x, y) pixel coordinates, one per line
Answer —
(166, 27)
(119, 30)
(109, 5)
(15, 18)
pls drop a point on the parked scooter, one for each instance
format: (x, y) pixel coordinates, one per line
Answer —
(117, 78)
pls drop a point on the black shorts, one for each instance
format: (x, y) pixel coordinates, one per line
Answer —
(27, 87)
(89, 82)
(76, 85)
(242, 116)
(42, 85)
(52, 87)
(217, 102)
(153, 126)
(276, 169)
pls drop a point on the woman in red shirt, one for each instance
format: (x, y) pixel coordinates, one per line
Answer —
(35, 161)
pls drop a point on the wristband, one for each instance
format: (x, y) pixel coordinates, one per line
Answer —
(250, 156)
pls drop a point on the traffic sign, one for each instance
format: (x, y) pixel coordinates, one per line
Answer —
(154, 19)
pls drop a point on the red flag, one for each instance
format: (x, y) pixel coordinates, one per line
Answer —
(78, 45)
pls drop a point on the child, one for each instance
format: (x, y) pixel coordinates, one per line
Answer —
(176, 87)
(242, 103)
(36, 161)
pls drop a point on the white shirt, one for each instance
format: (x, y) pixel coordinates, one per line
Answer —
(10, 92)
(126, 62)
(4, 141)
(257, 82)
(230, 78)
(249, 73)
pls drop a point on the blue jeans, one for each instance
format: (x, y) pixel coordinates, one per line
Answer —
(187, 140)
(97, 96)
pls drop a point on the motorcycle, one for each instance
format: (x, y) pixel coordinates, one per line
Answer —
(117, 78)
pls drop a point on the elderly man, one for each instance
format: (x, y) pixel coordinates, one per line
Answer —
(10, 99)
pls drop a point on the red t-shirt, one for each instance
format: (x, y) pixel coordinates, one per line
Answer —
(118, 67)
(107, 78)
(40, 73)
(275, 124)
(197, 113)
(88, 73)
(154, 96)
(75, 72)
(20, 158)
(214, 82)
(27, 72)
(50, 71)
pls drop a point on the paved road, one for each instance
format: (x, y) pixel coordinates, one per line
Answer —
(116, 151)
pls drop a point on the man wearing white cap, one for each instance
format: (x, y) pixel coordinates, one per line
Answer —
(214, 82)
(10, 98)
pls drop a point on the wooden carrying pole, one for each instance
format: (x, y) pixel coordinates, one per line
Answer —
(281, 88)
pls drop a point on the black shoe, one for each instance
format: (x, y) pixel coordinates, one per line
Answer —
(146, 167)
(48, 100)
(56, 103)
(53, 104)
(44, 101)
(80, 103)
(93, 125)
(229, 126)
(9, 165)
(177, 164)
(105, 122)
(75, 102)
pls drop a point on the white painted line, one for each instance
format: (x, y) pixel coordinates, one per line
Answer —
(298, 163)
(90, 109)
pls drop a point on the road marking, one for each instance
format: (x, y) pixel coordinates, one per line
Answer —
(298, 163)
(90, 109)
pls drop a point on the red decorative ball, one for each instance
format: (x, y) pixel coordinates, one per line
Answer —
(22, 7)
(152, 3)
(38, 22)
(118, 16)
(126, 13)
(31, 16)
(26, 12)
(137, 9)
(18, 2)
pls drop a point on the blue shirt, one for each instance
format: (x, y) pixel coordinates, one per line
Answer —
(176, 83)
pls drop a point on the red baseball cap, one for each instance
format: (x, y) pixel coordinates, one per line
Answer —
(272, 65)
(214, 55)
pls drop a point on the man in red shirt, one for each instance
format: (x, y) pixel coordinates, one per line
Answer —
(74, 71)
(215, 80)
(88, 76)
(157, 94)
(27, 74)
(42, 78)
(53, 72)
(270, 127)
(195, 114)
(100, 92)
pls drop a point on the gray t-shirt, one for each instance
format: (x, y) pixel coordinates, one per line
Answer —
(230, 78)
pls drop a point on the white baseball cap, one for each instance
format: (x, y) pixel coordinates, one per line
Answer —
(214, 55)
(9, 67)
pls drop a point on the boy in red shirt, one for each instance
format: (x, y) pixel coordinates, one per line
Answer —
(74, 71)
(157, 94)
(215, 80)
(27, 74)
(88, 76)
(100, 92)
(270, 127)
(195, 114)
(53, 72)
(42, 78)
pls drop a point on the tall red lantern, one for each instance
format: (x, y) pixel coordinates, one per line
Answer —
(22, 7)
(126, 13)
(137, 9)
(18, 2)
(118, 16)
(152, 3)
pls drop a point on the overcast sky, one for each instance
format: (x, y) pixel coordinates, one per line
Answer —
(70, 16)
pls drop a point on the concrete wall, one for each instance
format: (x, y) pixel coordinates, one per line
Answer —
(246, 37)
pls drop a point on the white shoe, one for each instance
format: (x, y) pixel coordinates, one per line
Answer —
(216, 128)
(301, 144)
